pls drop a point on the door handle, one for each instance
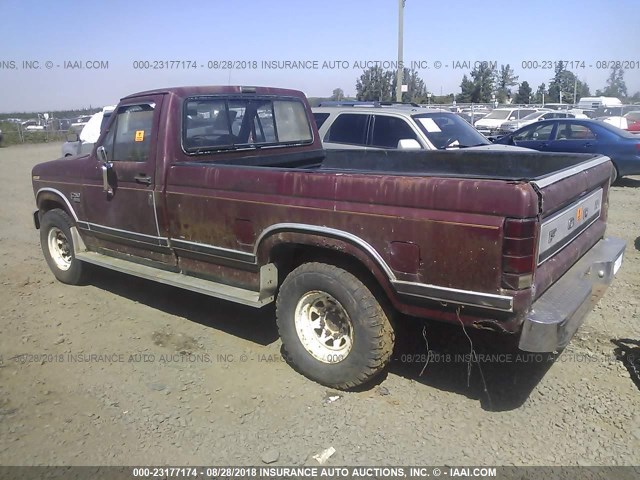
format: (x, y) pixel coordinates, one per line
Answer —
(142, 178)
(588, 144)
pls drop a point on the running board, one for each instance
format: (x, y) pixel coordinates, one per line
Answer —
(206, 287)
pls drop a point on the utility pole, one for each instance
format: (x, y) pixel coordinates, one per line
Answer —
(400, 62)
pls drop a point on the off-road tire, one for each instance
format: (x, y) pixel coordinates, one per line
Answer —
(57, 220)
(372, 333)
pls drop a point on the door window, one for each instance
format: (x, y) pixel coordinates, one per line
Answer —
(129, 137)
(349, 128)
(388, 131)
(535, 133)
(567, 131)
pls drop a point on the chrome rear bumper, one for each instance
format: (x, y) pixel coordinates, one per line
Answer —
(557, 313)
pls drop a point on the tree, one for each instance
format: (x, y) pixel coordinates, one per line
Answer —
(524, 93)
(466, 90)
(375, 84)
(616, 86)
(564, 84)
(483, 78)
(416, 88)
(337, 95)
(541, 93)
(480, 88)
(504, 79)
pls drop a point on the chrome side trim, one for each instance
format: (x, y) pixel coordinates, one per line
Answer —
(213, 250)
(556, 177)
(331, 232)
(61, 195)
(128, 234)
(470, 298)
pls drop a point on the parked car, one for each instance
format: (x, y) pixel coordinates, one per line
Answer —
(0, 136)
(399, 127)
(83, 143)
(633, 121)
(78, 124)
(542, 114)
(494, 120)
(622, 117)
(581, 136)
(340, 240)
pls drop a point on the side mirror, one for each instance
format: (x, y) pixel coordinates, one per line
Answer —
(106, 170)
(72, 137)
(102, 154)
(408, 144)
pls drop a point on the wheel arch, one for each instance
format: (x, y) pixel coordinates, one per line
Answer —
(50, 198)
(290, 247)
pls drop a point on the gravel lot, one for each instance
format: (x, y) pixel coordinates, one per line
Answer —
(124, 371)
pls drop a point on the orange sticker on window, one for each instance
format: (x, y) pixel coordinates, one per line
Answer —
(139, 135)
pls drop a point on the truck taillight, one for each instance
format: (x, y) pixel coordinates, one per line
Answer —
(519, 252)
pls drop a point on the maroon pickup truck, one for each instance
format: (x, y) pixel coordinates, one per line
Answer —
(227, 191)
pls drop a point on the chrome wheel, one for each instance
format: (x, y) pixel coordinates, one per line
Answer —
(59, 248)
(324, 327)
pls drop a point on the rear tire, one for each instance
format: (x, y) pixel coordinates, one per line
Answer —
(333, 329)
(57, 246)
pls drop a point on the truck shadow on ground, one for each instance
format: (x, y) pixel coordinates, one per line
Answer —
(501, 378)
(256, 325)
(497, 374)
(628, 352)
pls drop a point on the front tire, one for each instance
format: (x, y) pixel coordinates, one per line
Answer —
(333, 329)
(57, 246)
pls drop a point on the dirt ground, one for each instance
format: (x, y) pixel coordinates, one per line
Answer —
(124, 371)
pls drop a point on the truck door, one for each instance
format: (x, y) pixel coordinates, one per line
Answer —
(121, 200)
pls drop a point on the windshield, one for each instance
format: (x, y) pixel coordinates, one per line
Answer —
(448, 130)
(533, 116)
(499, 114)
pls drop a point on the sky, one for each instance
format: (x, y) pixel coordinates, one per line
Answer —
(122, 40)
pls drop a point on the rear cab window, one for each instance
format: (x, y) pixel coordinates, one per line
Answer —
(225, 123)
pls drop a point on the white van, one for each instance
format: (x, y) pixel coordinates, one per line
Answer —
(593, 103)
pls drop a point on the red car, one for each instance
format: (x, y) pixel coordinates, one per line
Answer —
(633, 121)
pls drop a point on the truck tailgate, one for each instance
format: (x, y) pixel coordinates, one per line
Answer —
(573, 206)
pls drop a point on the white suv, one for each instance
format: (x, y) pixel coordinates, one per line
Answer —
(395, 127)
(492, 122)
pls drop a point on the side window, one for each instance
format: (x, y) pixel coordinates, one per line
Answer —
(349, 128)
(568, 131)
(535, 133)
(129, 137)
(320, 118)
(388, 131)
